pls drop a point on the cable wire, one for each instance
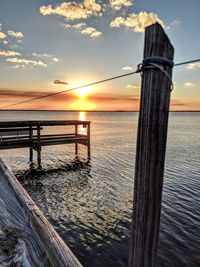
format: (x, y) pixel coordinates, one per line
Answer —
(187, 62)
(91, 84)
(71, 89)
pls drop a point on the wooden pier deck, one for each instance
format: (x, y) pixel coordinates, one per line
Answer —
(22, 134)
(26, 237)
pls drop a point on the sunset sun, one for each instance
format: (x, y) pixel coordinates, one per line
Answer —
(81, 101)
(83, 92)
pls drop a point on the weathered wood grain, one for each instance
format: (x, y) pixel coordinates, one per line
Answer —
(25, 232)
(150, 154)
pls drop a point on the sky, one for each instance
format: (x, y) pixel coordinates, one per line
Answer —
(80, 42)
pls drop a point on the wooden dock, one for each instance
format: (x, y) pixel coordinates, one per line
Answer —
(26, 237)
(21, 134)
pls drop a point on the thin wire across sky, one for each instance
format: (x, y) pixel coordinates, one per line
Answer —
(90, 84)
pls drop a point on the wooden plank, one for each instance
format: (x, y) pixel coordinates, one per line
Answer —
(56, 135)
(34, 241)
(6, 124)
(63, 141)
(27, 137)
(43, 142)
(15, 133)
(19, 246)
(11, 129)
(150, 153)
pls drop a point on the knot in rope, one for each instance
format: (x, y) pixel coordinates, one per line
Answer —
(157, 62)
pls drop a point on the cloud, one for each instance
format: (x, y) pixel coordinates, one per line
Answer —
(137, 22)
(22, 61)
(118, 4)
(174, 23)
(79, 26)
(56, 102)
(16, 34)
(185, 104)
(55, 59)
(127, 68)
(8, 53)
(2, 35)
(83, 29)
(18, 66)
(59, 82)
(47, 56)
(21, 93)
(189, 85)
(92, 5)
(66, 26)
(102, 97)
(42, 55)
(73, 10)
(131, 86)
(193, 65)
(92, 32)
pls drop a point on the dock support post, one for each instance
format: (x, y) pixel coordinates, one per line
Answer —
(88, 138)
(76, 144)
(150, 152)
(31, 149)
(38, 147)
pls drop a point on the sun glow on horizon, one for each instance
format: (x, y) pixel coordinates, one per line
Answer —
(82, 92)
(81, 102)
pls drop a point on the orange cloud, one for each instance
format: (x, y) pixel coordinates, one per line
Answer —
(97, 101)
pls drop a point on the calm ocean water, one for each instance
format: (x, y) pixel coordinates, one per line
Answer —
(90, 204)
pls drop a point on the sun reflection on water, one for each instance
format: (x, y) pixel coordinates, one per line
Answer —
(82, 117)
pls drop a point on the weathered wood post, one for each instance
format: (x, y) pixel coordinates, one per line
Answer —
(88, 138)
(31, 149)
(38, 147)
(76, 144)
(150, 153)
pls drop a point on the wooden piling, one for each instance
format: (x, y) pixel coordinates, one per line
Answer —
(150, 153)
(88, 137)
(38, 147)
(31, 149)
(76, 144)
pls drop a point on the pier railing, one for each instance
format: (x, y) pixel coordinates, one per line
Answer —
(21, 134)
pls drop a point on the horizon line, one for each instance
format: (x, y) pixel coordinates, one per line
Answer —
(64, 110)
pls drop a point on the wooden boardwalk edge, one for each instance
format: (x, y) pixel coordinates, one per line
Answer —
(57, 252)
